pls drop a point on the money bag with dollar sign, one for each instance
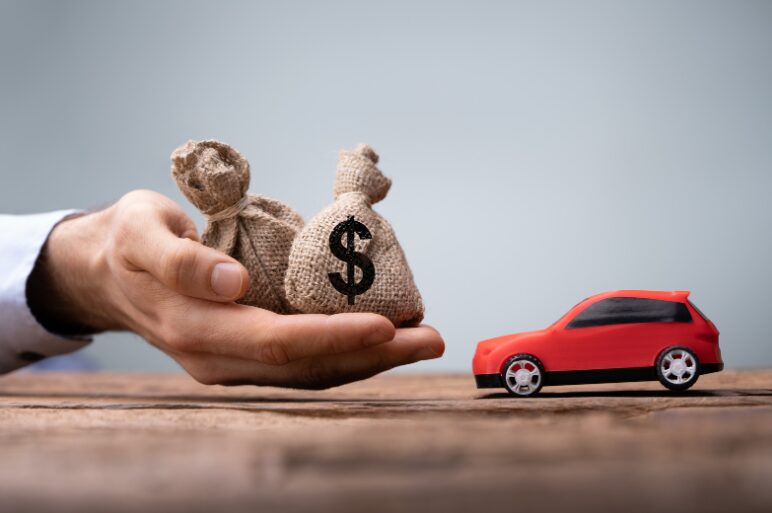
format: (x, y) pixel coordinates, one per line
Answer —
(347, 258)
(255, 230)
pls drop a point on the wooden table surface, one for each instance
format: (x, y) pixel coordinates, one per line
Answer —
(108, 442)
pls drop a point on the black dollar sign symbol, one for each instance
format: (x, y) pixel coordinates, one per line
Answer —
(352, 259)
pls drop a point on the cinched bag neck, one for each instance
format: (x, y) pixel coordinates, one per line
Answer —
(229, 212)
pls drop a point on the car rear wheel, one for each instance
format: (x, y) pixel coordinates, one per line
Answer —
(523, 375)
(678, 368)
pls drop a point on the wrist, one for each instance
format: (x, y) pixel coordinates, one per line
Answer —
(66, 289)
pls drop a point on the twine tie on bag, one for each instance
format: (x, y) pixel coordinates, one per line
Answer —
(229, 212)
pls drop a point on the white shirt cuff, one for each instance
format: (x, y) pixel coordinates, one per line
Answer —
(22, 339)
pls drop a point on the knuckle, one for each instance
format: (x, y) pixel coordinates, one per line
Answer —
(141, 204)
(127, 222)
(185, 227)
(203, 369)
(124, 229)
(333, 342)
(132, 205)
(176, 341)
(203, 373)
(205, 378)
(179, 339)
(273, 351)
(141, 197)
(177, 262)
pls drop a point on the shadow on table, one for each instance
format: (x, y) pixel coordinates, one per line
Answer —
(637, 393)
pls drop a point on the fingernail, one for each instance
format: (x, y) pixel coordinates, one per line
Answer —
(429, 353)
(226, 280)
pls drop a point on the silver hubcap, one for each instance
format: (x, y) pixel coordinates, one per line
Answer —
(678, 366)
(523, 377)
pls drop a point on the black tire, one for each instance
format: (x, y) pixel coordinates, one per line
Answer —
(670, 380)
(529, 363)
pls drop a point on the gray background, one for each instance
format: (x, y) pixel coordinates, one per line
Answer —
(540, 151)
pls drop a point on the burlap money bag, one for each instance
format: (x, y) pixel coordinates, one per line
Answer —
(392, 293)
(255, 230)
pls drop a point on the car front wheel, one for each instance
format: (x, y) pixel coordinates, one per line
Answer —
(678, 368)
(523, 375)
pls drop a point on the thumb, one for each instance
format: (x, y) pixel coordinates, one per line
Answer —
(188, 267)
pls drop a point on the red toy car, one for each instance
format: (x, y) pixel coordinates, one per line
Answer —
(625, 335)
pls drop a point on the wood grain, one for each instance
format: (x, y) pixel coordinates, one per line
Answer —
(106, 442)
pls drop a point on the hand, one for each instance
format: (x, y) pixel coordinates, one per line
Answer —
(138, 266)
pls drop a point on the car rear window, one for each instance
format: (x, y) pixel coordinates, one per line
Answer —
(627, 310)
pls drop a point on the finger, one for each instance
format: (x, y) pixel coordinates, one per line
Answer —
(304, 336)
(408, 346)
(184, 265)
(255, 334)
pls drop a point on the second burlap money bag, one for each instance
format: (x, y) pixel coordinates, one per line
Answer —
(255, 230)
(347, 258)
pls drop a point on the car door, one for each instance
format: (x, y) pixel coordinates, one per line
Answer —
(595, 347)
(608, 334)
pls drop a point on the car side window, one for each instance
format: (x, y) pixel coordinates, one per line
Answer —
(626, 310)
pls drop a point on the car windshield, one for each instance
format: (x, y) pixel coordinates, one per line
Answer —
(564, 315)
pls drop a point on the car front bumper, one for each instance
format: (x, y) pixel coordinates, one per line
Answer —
(488, 380)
